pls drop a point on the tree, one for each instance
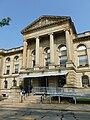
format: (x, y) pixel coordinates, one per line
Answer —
(5, 21)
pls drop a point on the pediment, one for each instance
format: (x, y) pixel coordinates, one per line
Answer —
(44, 21)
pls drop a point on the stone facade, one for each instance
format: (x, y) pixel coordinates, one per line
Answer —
(53, 55)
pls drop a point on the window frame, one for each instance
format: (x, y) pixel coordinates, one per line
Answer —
(5, 84)
(14, 83)
(8, 69)
(16, 68)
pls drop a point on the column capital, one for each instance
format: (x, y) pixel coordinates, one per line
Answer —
(24, 39)
(37, 37)
(67, 30)
(50, 33)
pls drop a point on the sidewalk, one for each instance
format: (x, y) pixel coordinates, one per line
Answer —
(63, 107)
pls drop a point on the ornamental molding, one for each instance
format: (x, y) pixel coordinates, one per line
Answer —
(45, 21)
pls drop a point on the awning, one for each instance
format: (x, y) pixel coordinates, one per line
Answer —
(43, 75)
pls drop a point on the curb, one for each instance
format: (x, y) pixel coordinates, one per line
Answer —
(42, 108)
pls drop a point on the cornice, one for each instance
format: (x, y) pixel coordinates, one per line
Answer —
(85, 38)
(9, 51)
(59, 19)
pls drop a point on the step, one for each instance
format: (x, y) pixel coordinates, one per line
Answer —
(32, 99)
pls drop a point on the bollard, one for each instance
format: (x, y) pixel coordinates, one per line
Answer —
(21, 97)
(75, 100)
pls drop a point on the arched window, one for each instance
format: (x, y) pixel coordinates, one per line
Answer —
(47, 50)
(47, 58)
(7, 69)
(8, 59)
(16, 58)
(33, 58)
(63, 54)
(81, 47)
(5, 84)
(16, 68)
(85, 80)
(82, 55)
(14, 83)
(62, 48)
(33, 52)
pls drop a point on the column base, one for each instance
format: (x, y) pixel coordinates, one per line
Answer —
(69, 86)
(69, 64)
(51, 66)
(36, 67)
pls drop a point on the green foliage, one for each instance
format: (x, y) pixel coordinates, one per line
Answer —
(1, 98)
(83, 99)
(5, 21)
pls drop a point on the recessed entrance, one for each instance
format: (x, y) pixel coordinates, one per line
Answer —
(43, 82)
(27, 85)
(61, 81)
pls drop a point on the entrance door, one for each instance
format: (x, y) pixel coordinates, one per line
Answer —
(61, 81)
(43, 82)
(28, 85)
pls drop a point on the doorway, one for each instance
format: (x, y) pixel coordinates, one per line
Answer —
(28, 85)
(61, 81)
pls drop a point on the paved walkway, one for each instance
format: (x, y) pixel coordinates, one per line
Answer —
(40, 106)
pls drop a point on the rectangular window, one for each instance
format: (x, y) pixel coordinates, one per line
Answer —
(16, 68)
(83, 60)
(8, 69)
(63, 59)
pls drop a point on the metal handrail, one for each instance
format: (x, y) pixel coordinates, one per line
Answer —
(59, 90)
(52, 90)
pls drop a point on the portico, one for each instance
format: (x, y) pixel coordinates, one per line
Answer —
(49, 37)
(51, 45)
(41, 82)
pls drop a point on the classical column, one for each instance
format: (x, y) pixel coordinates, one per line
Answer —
(88, 55)
(24, 54)
(28, 58)
(37, 52)
(69, 45)
(52, 48)
(0, 65)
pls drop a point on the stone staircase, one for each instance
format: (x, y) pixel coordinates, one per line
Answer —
(32, 99)
(11, 100)
(25, 99)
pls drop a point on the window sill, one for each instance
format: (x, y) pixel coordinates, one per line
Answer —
(81, 66)
(6, 74)
(15, 73)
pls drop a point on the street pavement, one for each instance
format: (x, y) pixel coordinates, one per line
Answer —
(23, 111)
(40, 106)
(33, 114)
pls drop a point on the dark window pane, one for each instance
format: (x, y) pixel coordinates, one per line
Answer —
(5, 84)
(47, 61)
(14, 83)
(63, 59)
(83, 60)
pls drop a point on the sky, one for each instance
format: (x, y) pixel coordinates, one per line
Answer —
(24, 12)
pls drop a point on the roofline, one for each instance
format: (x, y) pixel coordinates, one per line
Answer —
(11, 50)
(46, 16)
(77, 39)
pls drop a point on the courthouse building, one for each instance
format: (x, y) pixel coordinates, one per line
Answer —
(53, 56)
